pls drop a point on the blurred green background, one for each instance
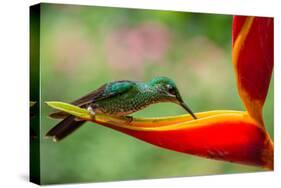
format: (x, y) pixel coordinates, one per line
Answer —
(83, 47)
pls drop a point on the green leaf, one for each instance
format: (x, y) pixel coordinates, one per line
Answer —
(71, 109)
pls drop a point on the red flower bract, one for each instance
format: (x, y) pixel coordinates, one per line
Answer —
(223, 135)
(253, 60)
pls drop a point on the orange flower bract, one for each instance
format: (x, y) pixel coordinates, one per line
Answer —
(223, 135)
(253, 60)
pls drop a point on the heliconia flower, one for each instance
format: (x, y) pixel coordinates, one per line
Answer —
(233, 136)
(253, 60)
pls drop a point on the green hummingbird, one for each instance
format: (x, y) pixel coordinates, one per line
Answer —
(119, 99)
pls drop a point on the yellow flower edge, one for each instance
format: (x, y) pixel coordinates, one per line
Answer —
(154, 123)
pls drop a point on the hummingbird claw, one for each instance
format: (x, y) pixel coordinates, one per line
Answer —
(129, 119)
(91, 111)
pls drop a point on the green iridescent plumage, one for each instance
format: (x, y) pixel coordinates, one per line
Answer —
(120, 98)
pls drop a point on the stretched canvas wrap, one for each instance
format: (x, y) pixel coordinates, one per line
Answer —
(125, 94)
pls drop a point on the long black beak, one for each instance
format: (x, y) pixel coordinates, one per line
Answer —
(188, 110)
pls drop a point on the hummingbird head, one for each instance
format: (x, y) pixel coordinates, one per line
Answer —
(168, 90)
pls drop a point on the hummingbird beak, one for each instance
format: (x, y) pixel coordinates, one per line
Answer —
(188, 109)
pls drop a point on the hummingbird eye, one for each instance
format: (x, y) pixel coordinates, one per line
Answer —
(171, 89)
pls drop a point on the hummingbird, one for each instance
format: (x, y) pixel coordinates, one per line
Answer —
(119, 99)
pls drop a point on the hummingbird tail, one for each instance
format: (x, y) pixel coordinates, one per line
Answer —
(64, 128)
(59, 115)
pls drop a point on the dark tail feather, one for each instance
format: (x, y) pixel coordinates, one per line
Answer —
(59, 115)
(64, 128)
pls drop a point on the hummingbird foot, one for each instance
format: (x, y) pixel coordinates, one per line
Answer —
(91, 111)
(128, 119)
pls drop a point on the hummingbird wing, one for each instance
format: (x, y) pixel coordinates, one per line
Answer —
(69, 124)
(104, 92)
